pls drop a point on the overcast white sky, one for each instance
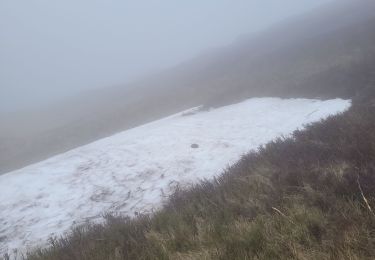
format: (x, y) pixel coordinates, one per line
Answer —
(56, 48)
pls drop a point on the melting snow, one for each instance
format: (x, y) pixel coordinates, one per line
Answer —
(135, 171)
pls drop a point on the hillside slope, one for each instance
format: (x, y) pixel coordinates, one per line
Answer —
(306, 197)
(327, 53)
(134, 171)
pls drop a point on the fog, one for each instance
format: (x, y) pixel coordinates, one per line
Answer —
(72, 72)
(54, 49)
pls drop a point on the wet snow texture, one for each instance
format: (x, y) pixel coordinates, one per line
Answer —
(135, 171)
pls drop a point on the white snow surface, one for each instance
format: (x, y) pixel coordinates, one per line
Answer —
(136, 170)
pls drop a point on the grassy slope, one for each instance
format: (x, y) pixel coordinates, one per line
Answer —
(297, 198)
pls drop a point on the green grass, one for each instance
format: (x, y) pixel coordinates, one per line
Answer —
(297, 198)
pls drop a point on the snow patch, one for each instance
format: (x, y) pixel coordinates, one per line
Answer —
(135, 171)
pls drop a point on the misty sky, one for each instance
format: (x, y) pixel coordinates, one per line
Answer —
(50, 49)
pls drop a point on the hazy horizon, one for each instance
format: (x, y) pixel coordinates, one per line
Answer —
(53, 50)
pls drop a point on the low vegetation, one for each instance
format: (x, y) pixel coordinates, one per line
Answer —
(311, 196)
